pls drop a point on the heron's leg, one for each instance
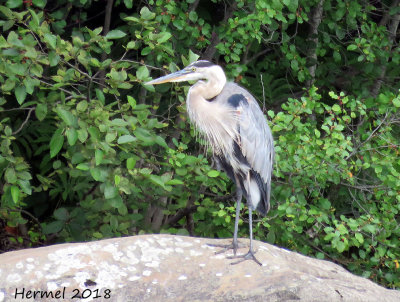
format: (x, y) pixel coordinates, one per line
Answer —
(250, 254)
(235, 244)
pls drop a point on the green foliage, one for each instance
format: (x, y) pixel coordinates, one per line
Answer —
(88, 151)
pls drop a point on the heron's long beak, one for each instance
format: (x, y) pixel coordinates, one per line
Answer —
(179, 76)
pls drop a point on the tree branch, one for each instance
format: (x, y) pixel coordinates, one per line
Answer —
(392, 29)
(210, 51)
(24, 123)
(106, 29)
(194, 5)
(315, 21)
(180, 214)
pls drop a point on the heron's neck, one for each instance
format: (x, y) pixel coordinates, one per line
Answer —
(212, 86)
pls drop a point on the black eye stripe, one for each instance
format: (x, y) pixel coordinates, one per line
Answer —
(201, 63)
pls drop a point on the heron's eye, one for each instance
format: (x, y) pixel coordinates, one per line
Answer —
(193, 68)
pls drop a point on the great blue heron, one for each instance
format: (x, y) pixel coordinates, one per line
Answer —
(236, 130)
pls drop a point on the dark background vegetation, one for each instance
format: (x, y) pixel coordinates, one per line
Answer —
(88, 151)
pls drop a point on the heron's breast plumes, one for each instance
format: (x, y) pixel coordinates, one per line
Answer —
(215, 121)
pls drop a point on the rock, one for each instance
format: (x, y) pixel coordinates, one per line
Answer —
(175, 268)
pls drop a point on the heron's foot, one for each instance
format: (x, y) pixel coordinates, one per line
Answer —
(226, 247)
(249, 256)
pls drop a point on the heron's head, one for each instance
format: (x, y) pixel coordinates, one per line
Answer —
(199, 70)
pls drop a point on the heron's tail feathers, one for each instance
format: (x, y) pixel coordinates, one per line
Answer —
(264, 205)
(257, 192)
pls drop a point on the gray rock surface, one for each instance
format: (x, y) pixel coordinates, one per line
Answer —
(175, 268)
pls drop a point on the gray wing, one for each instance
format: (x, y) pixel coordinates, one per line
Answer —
(256, 140)
(251, 160)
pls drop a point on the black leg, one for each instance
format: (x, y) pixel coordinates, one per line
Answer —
(235, 232)
(250, 254)
(235, 244)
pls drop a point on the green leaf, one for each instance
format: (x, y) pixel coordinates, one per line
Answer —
(192, 56)
(146, 14)
(56, 142)
(325, 203)
(100, 96)
(51, 39)
(295, 65)
(336, 108)
(18, 69)
(15, 193)
(10, 175)
(113, 223)
(110, 191)
(25, 186)
(131, 101)
(271, 237)
(6, 11)
(130, 163)
(161, 141)
(359, 237)
(142, 73)
(340, 246)
(110, 136)
(116, 202)
(8, 131)
(98, 155)
(396, 102)
(97, 235)
(72, 136)
(14, 3)
(213, 173)
(8, 85)
(30, 84)
(94, 133)
(82, 106)
(36, 69)
(193, 16)
(132, 45)
(94, 62)
(7, 25)
(61, 214)
(352, 47)
(124, 139)
(341, 228)
(20, 94)
(157, 180)
(164, 37)
(115, 34)
(83, 167)
(390, 277)
(145, 51)
(82, 135)
(39, 3)
(3, 42)
(336, 56)
(317, 133)
(128, 3)
(57, 164)
(54, 58)
(174, 182)
(117, 179)
(99, 174)
(35, 18)
(53, 227)
(119, 122)
(66, 116)
(181, 171)
(370, 228)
